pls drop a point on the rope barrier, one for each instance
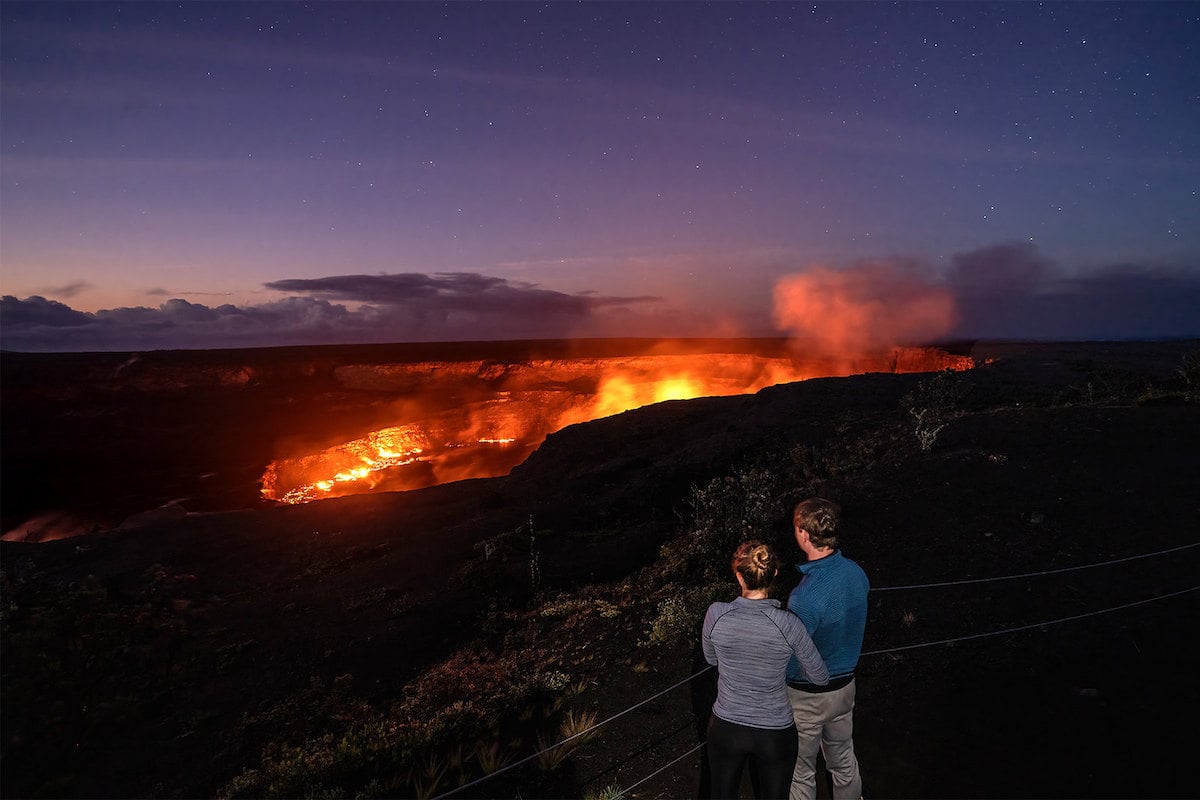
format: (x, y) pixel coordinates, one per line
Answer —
(669, 764)
(1033, 574)
(1033, 625)
(584, 732)
(700, 672)
(633, 786)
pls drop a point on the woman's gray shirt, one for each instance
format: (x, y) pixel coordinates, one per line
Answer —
(750, 642)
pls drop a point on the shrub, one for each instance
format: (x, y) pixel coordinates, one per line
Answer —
(428, 776)
(491, 756)
(813, 466)
(577, 728)
(328, 764)
(679, 617)
(726, 512)
(1189, 371)
(611, 792)
(415, 747)
(550, 757)
(607, 610)
(676, 620)
(85, 665)
(1108, 384)
(933, 403)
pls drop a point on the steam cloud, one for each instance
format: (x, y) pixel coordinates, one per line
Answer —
(862, 309)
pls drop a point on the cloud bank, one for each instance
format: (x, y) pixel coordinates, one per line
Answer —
(1004, 291)
(388, 308)
(1011, 291)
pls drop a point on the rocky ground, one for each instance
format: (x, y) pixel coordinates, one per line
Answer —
(302, 650)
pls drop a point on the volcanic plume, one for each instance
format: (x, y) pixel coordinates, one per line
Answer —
(846, 314)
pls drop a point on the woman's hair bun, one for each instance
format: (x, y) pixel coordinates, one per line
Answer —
(756, 563)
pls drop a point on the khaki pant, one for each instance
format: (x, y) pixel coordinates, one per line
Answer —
(825, 721)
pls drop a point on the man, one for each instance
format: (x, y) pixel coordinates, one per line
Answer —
(831, 601)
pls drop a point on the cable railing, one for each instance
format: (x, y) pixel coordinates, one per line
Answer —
(1016, 629)
(1034, 574)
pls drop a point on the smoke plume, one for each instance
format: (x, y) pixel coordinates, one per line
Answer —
(862, 309)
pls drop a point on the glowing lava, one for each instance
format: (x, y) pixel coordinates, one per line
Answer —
(352, 462)
(473, 419)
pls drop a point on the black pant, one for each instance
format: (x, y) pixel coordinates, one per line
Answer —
(771, 753)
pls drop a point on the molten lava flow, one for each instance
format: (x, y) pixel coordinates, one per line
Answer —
(481, 419)
(354, 462)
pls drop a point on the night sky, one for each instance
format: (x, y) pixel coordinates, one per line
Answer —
(247, 174)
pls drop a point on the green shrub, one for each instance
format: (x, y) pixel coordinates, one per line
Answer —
(580, 726)
(419, 746)
(813, 466)
(679, 617)
(726, 512)
(607, 610)
(611, 792)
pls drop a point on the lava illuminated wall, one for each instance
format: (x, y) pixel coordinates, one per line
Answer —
(453, 420)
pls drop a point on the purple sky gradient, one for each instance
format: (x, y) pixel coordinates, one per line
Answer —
(244, 174)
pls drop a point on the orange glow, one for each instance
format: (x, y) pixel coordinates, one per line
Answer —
(351, 462)
(47, 528)
(456, 430)
(842, 313)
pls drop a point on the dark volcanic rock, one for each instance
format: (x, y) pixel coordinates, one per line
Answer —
(92, 439)
(212, 622)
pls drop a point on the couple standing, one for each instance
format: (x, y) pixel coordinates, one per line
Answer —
(785, 683)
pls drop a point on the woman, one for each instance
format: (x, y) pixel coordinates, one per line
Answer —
(750, 641)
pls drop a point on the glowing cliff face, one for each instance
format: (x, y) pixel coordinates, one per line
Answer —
(485, 418)
(356, 463)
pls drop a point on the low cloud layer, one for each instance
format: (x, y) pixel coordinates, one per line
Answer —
(1006, 291)
(387, 308)
(448, 294)
(1012, 291)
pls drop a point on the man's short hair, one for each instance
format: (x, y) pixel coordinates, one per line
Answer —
(820, 518)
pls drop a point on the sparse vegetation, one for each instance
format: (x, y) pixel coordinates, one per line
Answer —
(854, 448)
(933, 404)
(79, 644)
(1189, 371)
(573, 732)
(516, 677)
(417, 746)
(612, 791)
(678, 618)
(725, 512)
(491, 756)
(1106, 384)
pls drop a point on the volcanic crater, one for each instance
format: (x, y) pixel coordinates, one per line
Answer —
(234, 646)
